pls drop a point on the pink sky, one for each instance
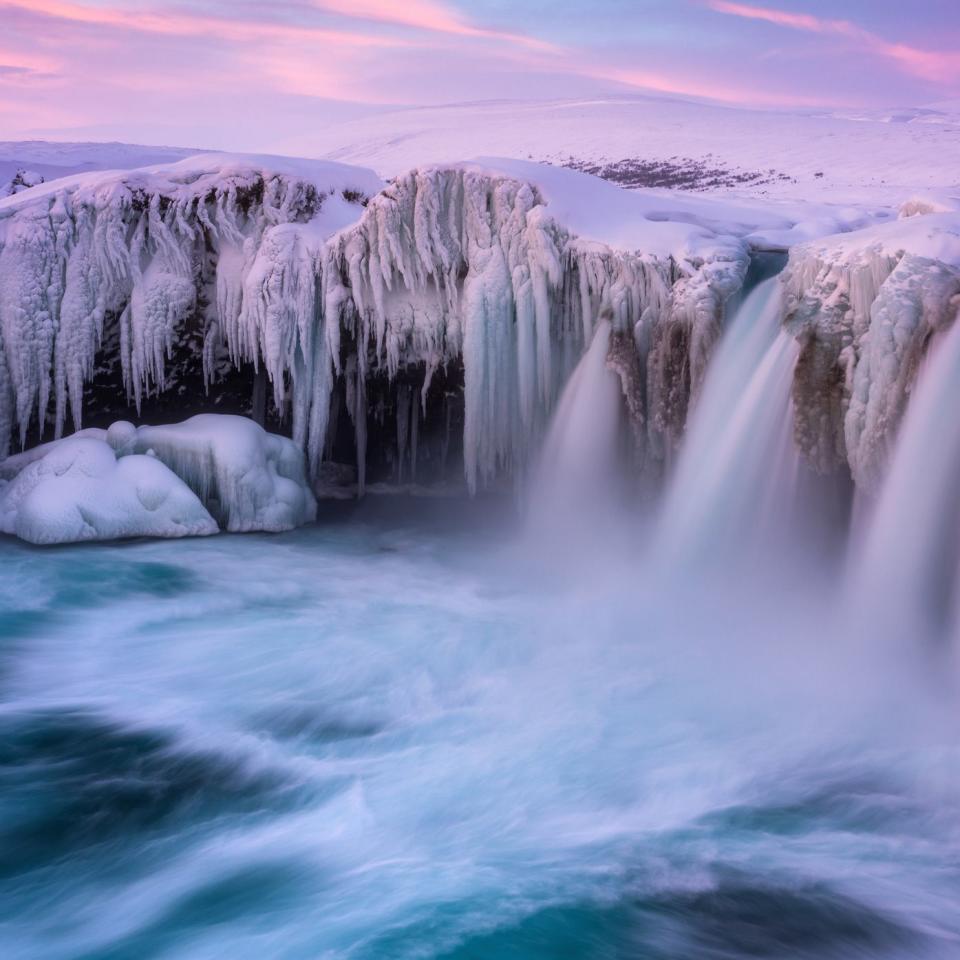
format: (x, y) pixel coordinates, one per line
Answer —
(251, 75)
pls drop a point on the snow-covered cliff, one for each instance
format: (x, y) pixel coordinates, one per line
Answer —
(458, 296)
(865, 307)
(287, 266)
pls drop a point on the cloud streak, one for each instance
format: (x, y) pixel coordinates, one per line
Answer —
(426, 15)
(180, 23)
(935, 66)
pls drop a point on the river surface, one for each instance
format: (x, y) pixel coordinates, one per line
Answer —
(401, 733)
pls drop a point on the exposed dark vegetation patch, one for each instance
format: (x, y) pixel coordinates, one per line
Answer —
(355, 196)
(678, 173)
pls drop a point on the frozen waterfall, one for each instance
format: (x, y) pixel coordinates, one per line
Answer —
(457, 283)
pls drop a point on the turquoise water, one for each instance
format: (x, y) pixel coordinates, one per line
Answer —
(401, 733)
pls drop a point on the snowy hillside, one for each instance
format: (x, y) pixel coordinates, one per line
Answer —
(42, 160)
(852, 156)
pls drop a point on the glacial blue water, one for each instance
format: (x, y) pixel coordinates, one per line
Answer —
(402, 733)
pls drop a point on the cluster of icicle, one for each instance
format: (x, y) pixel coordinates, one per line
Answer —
(864, 316)
(445, 264)
(146, 250)
(460, 263)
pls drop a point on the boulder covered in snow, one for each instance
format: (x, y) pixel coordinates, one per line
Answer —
(193, 478)
(79, 491)
(247, 478)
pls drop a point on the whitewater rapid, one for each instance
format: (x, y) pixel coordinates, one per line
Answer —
(402, 734)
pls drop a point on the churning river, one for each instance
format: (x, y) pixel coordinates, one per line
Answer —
(406, 733)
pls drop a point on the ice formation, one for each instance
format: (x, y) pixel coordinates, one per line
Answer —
(864, 307)
(353, 296)
(157, 251)
(247, 478)
(240, 477)
(283, 270)
(78, 490)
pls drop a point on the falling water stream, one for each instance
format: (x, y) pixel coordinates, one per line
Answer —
(414, 731)
(737, 476)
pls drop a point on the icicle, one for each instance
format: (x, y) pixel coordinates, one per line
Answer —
(360, 428)
(447, 265)
(403, 427)
(414, 435)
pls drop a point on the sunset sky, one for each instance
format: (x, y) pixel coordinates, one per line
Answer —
(244, 74)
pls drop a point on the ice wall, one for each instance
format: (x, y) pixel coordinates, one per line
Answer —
(864, 308)
(291, 270)
(198, 245)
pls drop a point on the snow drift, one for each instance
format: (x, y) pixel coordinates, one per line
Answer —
(78, 490)
(186, 479)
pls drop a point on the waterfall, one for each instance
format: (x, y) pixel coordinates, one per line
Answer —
(904, 572)
(737, 473)
(577, 476)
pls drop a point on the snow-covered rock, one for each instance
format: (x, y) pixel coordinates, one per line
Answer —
(865, 307)
(218, 469)
(247, 478)
(79, 491)
(316, 274)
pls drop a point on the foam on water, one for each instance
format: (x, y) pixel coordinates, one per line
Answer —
(392, 738)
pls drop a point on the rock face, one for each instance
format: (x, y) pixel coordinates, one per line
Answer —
(296, 272)
(865, 307)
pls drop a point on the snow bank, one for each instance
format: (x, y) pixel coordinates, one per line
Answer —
(80, 491)
(864, 307)
(247, 478)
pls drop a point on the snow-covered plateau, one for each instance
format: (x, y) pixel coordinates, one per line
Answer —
(388, 324)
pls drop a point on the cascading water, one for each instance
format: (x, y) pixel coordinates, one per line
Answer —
(737, 474)
(904, 572)
(576, 480)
